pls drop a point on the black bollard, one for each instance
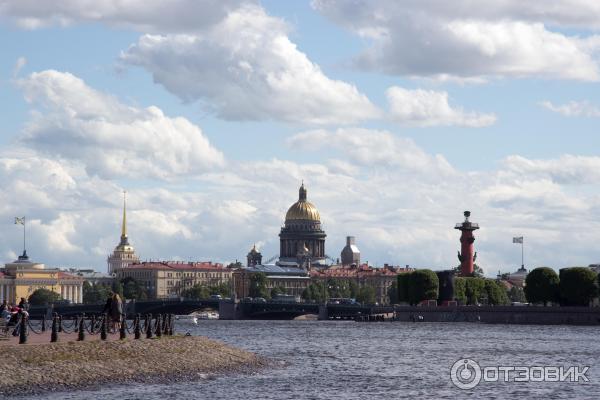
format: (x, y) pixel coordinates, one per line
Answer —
(23, 329)
(148, 326)
(54, 334)
(165, 324)
(81, 333)
(136, 330)
(44, 323)
(103, 327)
(171, 323)
(92, 323)
(123, 330)
(60, 327)
(158, 330)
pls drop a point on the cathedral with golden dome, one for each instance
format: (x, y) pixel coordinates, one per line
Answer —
(302, 241)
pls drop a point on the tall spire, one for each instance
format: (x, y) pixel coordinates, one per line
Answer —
(302, 192)
(124, 226)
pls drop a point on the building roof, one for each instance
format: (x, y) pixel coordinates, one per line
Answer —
(66, 276)
(362, 271)
(177, 265)
(272, 269)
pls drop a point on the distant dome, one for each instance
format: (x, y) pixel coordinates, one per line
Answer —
(303, 209)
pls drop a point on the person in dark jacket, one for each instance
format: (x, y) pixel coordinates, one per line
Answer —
(116, 311)
(24, 304)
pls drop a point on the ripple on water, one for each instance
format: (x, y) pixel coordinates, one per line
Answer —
(346, 360)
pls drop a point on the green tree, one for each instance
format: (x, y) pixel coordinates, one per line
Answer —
(276, 291)
(94, 294)
(477, 271)
(475, 290)
(43, 296)
(402, 285)
(315, 292)
(577, 286)
(223, 289)
(517, 294)
(117, 287)
(197, 291)
(366, 295)
(258, 285)
(460, 287)
(496, 294)
(542, 286)
(132, 289)
(423, 284)
(393, 292)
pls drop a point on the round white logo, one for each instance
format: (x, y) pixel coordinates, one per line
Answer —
(465, 373)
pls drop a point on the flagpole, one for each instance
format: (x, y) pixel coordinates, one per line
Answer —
(522, 253)
(24, 247)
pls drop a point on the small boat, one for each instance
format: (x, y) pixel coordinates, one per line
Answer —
(187, 319)
(208, 315)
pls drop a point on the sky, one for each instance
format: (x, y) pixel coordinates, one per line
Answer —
(397, 115)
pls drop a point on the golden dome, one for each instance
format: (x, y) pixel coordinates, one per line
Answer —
(302, 209)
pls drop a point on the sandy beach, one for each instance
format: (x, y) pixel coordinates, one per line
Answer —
(47, 367)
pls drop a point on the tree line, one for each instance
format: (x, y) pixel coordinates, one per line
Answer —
(575, 286)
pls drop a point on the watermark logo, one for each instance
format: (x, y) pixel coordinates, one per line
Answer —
(466, 374)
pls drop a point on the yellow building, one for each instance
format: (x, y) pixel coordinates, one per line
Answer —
(164, 279)
(23, 277)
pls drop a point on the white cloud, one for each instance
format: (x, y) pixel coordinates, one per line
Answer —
(574, 109)
(246, 68)
(77, 122)
(567, 169)
(431, 108)
(19, 64)
(146, 16)
(370, 147)
(461, 39)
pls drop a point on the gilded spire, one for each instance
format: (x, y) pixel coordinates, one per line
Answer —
(124, 226)
(302, 192)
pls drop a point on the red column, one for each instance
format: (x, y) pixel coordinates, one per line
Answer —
(466, 252)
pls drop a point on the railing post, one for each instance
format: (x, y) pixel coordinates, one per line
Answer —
(158, 330)
(103, 327)
(148, 326)
(171, 323)
(81, 333)
(54, 334)
(60, 327)
(165, 325)
(23, 329)
(137, 331)
(123, 330)
(44, 323)
(92, 323)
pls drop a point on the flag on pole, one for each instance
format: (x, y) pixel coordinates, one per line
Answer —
(20, 220)
(518, 239)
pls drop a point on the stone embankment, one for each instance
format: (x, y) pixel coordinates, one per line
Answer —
(38, 368)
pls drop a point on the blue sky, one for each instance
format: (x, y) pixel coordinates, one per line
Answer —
(398, 116)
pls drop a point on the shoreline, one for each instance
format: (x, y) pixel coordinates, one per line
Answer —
(67, 366)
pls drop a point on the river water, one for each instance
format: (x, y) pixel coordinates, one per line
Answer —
(385, 360)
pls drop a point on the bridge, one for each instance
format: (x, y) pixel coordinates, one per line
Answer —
(227, 309)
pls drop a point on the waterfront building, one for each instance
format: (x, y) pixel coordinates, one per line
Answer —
(516, 278)
(92, 276)
(381, 279)
(168, 279)
(254, 257)
(350, 253)
(302, 240)
(124, 253)
(292, 279)
(22, 277)
(467, 255)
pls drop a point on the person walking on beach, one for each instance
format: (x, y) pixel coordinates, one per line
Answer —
(116, 310)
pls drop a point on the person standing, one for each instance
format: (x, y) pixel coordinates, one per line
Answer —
(116, 310)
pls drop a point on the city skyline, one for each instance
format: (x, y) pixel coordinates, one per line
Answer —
(212, 124)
